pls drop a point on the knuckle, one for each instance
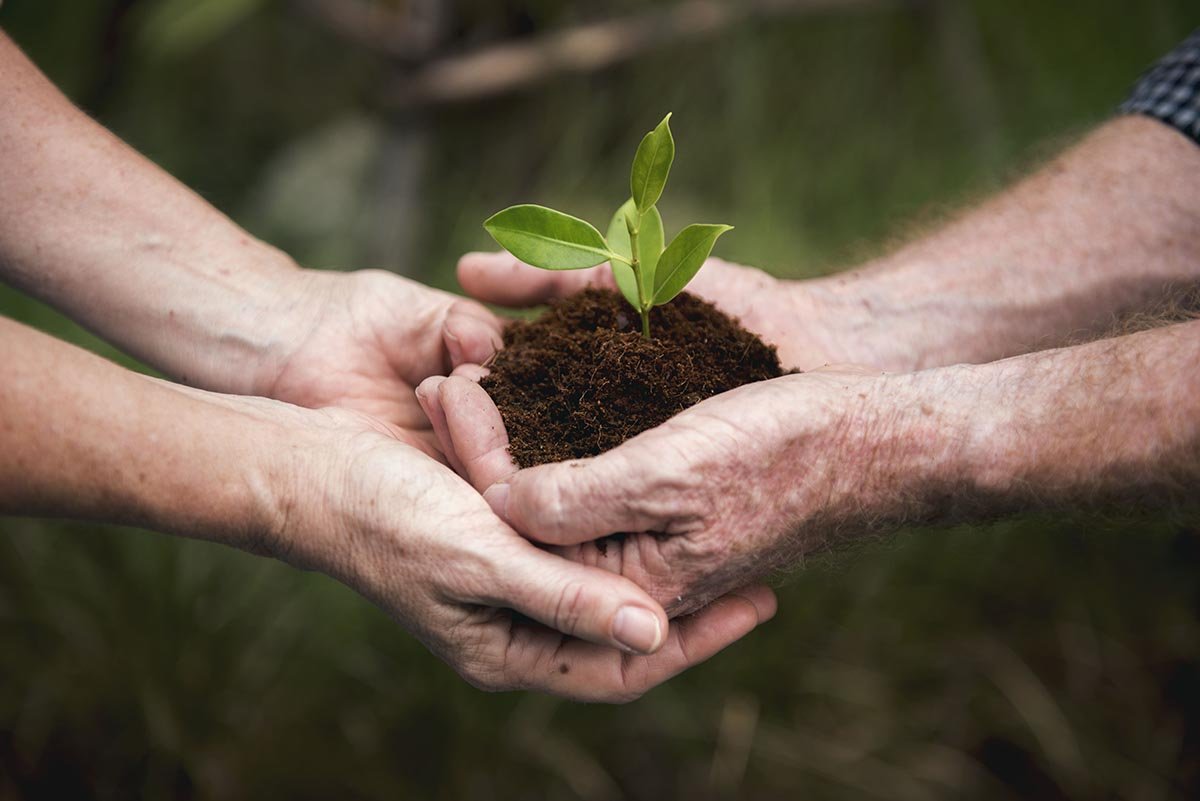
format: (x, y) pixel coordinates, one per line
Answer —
(476, 574)
(632, 685)
(546, 505)
(631, 693)
(571, 607)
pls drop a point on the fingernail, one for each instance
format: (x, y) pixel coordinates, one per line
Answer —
(497, 498)
(637, 629)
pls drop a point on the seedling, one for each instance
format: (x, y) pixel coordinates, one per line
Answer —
(647, 274)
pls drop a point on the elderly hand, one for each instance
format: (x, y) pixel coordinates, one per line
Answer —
(786, 314)
(336, 491)
(720, 495)
(413, 537)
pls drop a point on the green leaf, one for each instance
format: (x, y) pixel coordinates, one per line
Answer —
(652, 165)
(683, 258)
(547, 238)
(650, 247)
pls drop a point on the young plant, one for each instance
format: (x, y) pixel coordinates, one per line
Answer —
(647, 274)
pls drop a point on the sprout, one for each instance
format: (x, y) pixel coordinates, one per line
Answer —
(647, 274)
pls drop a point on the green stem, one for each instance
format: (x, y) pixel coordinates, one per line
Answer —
(644, 307)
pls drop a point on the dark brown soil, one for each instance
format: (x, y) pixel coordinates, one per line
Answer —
(581, 379)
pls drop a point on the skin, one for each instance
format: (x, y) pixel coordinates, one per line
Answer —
(350, 496)
(97, 231)
(351, 485)
(752, 480)
(1106, 229)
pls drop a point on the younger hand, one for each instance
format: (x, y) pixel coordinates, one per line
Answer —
(364, 340)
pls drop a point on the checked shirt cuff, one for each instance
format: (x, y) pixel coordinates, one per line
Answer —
(1170, 90)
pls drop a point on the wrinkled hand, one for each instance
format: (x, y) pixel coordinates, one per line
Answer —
(364, 340)
(783, 313)
(720, 495)
(406, 532)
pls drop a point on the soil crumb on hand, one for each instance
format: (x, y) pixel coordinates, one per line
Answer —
(581, 379)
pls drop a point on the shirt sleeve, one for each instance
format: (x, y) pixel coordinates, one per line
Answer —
(1170, 90)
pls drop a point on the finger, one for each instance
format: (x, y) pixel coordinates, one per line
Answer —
(504, 280)
(475, 432)
(584, 602)
(427, 396)
(471, 334)
(471, 372)
(573, 502)
(588, 672)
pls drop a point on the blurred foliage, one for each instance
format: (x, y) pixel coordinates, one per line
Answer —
(1051, 657)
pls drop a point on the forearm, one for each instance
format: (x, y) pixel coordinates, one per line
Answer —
(1108, 424)
(1108, 228)
(83, 438)
(94, 229)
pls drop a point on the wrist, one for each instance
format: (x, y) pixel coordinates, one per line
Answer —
(239, 341)
(228, 470)
(898, 448)
(964, 443)
(859, 317)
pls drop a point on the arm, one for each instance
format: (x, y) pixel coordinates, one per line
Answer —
(1109, 227)
(340, 493)
(93, 228)
(96, 230)
(752, 480)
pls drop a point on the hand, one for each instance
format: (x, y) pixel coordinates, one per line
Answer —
(364, 340)
(786, 314)
(417, 540)
(722, 494)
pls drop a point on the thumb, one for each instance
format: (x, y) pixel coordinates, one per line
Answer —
(573, 502)
(504, 280)
(585, 602)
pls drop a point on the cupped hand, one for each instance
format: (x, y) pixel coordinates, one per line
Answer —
(717, 497)
(407, 533)
(364, 340)
(779, 311)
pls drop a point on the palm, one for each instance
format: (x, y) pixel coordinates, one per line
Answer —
(765, 305)
(398, 544)
(370, 338)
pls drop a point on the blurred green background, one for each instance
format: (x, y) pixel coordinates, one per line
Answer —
(1047, 657)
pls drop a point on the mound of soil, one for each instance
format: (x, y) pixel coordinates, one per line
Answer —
(581, 379)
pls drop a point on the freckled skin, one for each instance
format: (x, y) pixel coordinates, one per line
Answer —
(334, 491)
(751, 481)
(1109, 228)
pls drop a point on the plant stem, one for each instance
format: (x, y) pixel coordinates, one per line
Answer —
(644, 306)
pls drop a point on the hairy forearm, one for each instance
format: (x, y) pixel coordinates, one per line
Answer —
(94, 229)
(83, 438)
(1107, 228)
(1107, 424)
